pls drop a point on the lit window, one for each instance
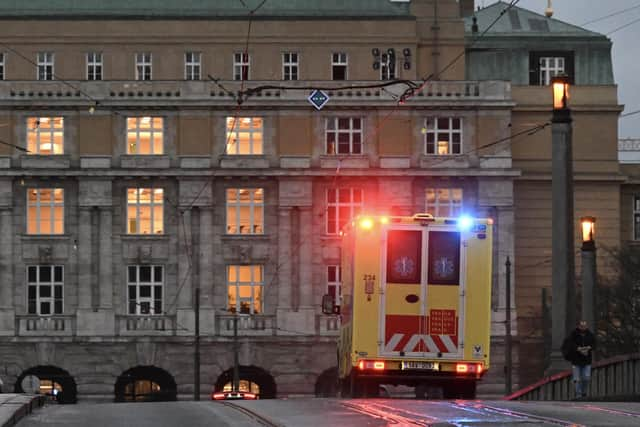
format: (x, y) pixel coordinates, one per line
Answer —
(342, 205)
(145, 211)
(339, 66)
(443, 202)
(45, 294)
(244, 135)
(45, 211)
(45, 66)
(244, 386)
(549, 68)
(343, 135)
(145, 288)
(245, 289)
(289, 66)
(145, 135)
(241, 63)
(245, 211)
(94, 66)
(192, 65)
(443, 135)
(334, 283)
(141, 390)
(143, 66)
(2, 65)
(45, 135)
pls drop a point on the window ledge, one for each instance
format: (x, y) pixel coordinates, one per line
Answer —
(354, 161)
(45, 237)
(38, 161)
(244, 161)
(127, 237)
(253, 237)
(142, 161)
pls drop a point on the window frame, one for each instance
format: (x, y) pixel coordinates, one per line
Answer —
(153, 284)
(339, 63)
(336, 131)
(354, 207)
(141, 62)
(334, 270)
(290, 66)
(45, 60)
(34, 128)
(233, 135)
(391, 72)
(252, 283)
(152, 204)
(636, 217)
(138, 129)
(451, 132)
(534, 64)
(95, 66)
(52, 205)
(451, 204)
(193, 66)
(3, 66)
(38, 284)
(256, 225)
(240, 66)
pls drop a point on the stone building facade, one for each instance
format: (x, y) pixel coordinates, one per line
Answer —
(133, 176)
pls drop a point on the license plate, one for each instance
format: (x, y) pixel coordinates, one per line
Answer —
(429, 366)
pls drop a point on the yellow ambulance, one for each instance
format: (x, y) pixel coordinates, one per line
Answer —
(416, 304)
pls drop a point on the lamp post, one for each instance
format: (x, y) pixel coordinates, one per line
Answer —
(588, 269)
(563, 273)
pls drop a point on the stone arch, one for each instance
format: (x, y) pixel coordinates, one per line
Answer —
(327, 383)
(253, 374)
(144, 384)
(61, 381)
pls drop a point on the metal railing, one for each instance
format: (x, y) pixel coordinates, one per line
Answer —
(616, 378)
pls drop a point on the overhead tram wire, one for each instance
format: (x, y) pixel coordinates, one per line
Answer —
(623, 27)
(602, 18)
(629, 114)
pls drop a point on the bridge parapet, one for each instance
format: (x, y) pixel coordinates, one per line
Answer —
(616, 378)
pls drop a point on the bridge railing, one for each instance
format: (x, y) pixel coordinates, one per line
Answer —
(611, 379)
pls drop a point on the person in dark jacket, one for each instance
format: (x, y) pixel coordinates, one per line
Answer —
(578, 349)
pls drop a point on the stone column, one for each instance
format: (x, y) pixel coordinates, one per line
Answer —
(105, 271)
(7, 324)
(185, 272)
(284, 259)
(305, 259)
(84, 254)
(206, 273)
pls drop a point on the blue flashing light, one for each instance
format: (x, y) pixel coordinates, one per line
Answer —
(465, 223)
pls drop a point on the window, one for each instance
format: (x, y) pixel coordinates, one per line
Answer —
(2, 66)
(44, 289)
(342, 205)
(45, 211)
(244, 135)
(145, 211)
(543, 66)
(443, 202)
(245, 211)
(145, 135)
(143, 66)
(289, 66)
(636, 217)
(45, 66)
(241, 62)
(388, 66)
(145, 288)
(245, 289)
(94, 66)
(343, 135)
(334, 283)
(443, 135)
(339, 66)
(192, 65)
(45, 135)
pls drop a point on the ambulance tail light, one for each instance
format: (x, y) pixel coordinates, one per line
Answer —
(375, 365)
(469, 368)
(462, 368)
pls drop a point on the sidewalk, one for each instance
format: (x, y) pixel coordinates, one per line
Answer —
(14, 407)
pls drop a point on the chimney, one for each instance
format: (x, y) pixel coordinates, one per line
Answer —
(466, 8)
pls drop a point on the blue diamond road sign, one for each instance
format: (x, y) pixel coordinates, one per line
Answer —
(318, 98)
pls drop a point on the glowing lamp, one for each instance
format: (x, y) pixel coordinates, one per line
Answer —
(366, 223)
(465, 223)
(560, 85)
(588, 228)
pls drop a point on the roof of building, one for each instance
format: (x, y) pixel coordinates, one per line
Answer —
(522, 22)
(200, 9)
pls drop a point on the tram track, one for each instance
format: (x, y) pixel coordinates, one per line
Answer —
(520, 415)
(611, 411)
(255, 416)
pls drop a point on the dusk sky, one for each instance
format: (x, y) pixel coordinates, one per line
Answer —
(626, 44)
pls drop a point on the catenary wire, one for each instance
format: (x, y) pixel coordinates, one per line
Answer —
(610, 15)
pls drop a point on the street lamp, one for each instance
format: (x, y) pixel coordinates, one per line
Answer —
(588, 269)
(563, 274)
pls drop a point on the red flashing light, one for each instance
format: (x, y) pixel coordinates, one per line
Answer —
(479, 368)
(376, 365)
(218, 396)
(361, 365)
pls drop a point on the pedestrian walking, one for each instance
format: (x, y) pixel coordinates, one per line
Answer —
(578, 348)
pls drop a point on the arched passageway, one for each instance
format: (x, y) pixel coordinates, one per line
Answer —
(145, 384)
(327, 383)
(252, 379)
(54, 382)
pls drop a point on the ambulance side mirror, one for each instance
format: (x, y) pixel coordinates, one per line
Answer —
(329, 305)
